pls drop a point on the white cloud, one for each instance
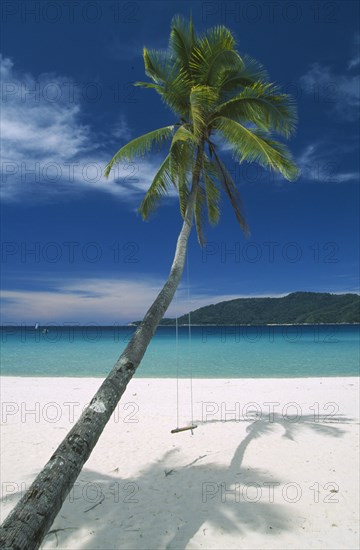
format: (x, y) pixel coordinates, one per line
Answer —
(338, 93)
(48, 153)
(6, 66)
(103, 301)
(355, 60)
(120, 129)
(94, 300)
(40, 116)
(318, 163)
(100, 301)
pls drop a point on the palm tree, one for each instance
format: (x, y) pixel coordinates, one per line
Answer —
(216, 95)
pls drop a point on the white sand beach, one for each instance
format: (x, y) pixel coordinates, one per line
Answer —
(285, 478)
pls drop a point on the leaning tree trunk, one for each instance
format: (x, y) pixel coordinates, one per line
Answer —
(30, 520)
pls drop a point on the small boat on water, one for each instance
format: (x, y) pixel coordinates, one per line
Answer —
(43, 331)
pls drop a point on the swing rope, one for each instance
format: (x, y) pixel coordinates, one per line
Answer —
(192, 425)
(177, 359)
(190, 335)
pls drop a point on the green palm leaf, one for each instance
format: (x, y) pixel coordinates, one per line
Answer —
(218, 169)
(140, 146)
(202, 101)
(181, 158)
(265, 106)
(183, 190)
(212, 89)
(199, 214)
(174, 171)
(156, 87)
(182, 38)
(213, 49)
(159, 187)
(158, 64)
(183, 134)
(212, 198)
(254, 146)
(176, 94)
(232, 79)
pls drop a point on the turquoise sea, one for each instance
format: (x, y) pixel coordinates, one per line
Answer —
(213, 352)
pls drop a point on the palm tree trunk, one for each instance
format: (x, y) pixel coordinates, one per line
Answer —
(28, 523)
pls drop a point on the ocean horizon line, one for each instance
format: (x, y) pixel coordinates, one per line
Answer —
(133, 325)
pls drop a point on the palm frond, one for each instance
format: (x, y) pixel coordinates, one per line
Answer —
(212, 89)
(253, 71)
(215, 48)
(199, 214)
(206, 70)
(158, 64)
(202, 102)
(212, 198)
(174, 171)
(246, 72)
(252, 145)
(217, 168)
(141, 84)
(183, 134)
(263, 105)
(176, 94)
(182, 38)
(159, 187)
(140, 146)
(181, 158)
(183, 190)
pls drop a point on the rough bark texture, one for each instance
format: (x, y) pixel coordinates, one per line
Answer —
(32, 517)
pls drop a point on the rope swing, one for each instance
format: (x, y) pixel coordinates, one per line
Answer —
(192, 426)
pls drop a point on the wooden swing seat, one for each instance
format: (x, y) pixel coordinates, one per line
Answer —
(177, 430)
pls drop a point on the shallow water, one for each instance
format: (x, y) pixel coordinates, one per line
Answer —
(214, 352)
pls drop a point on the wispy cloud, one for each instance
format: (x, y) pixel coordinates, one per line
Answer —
(318, 163)
(38, 118)
(106, 300)
(121, 129)
(338, 93)
(355, 60)
(49, 154)
(95, 300)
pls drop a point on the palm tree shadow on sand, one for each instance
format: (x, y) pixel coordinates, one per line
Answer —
(164, 507)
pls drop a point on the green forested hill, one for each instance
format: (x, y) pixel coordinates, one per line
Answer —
(298, 307)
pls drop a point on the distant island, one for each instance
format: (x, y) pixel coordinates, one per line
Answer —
(295, 308)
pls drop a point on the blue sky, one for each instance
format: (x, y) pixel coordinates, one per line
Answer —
(73, 247)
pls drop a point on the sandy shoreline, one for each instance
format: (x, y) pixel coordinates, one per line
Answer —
(284, 478)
